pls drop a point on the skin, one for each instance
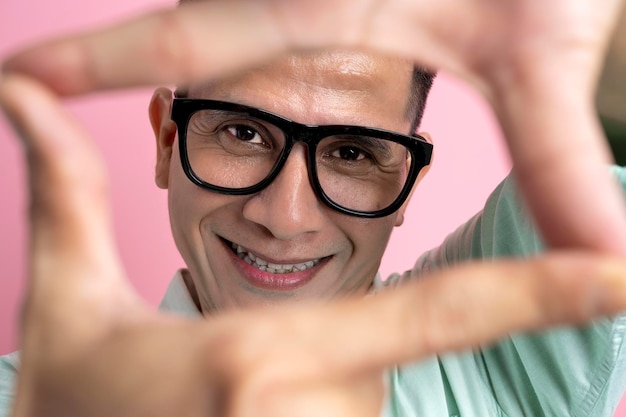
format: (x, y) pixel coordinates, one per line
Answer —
(279, 361)
(285, 223)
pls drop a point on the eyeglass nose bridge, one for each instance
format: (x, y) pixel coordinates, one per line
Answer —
(310, 136)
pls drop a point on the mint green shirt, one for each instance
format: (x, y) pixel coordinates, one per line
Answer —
(578, 372)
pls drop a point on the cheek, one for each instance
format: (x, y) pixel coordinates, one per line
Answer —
(193, 209)
(188, 203)
(188, 206)
(374, 232)
(183, 197)
(369, 239)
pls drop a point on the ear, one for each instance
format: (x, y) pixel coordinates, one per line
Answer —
(164, 132)
(422, 174)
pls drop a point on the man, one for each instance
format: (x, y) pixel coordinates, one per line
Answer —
(323, 252)
(311, 231)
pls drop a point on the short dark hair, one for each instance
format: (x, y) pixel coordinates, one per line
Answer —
(421, 83)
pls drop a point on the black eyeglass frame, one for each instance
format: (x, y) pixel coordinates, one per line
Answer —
(419, 148)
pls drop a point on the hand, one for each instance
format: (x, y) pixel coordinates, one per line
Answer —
(92, 348)
(537, 63)
(103, 347)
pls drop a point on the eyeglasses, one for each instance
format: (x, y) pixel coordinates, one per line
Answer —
(234, 149)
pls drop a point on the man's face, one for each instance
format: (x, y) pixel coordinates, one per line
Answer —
(285, 223)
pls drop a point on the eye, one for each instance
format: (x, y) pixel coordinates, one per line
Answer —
(350, 153)
(245, 133)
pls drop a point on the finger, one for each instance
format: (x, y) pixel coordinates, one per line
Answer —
(60, 164)
(452, 310)
(197, 41)
(561, 160)
(572, 201)
(205, 40)
(72, 260)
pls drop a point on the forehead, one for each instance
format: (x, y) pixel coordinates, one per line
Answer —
(327, 87)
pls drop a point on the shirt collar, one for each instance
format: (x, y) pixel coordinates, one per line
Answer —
(177, 298)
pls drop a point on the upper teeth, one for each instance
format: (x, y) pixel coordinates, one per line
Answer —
(251, 259)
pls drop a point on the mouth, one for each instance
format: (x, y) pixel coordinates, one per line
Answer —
(271, 267)
(273, 275)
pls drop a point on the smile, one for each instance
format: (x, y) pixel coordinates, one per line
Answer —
(273, 268)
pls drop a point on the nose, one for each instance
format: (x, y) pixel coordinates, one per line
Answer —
(288, 207)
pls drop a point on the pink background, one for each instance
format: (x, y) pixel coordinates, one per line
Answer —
(466, 138)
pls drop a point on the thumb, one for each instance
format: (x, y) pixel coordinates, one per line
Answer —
(72, 259)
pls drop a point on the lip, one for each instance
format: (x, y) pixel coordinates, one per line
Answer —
(274, 282)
